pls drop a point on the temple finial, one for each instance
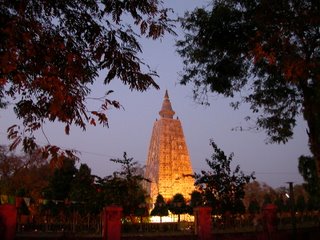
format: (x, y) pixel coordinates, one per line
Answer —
(166, 110)
(166, 95)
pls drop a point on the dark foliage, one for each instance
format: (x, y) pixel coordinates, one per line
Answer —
(222, 188)
(195, 201)
(160, 208)
(22, 175)
(307, 168)
(60, 183)
(124, 188)
(253, 207)
(52, 51)
(268, 51)
(178, 205)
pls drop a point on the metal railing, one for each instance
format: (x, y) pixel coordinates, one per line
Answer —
(92, 224)
(75, 223)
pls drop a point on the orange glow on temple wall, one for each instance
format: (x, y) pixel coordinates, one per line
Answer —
(168, 164)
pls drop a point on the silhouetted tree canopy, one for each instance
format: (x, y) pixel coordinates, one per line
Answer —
(253, 207)
(60, 183)
(124, 188)
(268, 51)
(178, 205)
(22, 174)
(52, 51)
(196, 200)
(83, 190)
(222, 188)
(160, 208)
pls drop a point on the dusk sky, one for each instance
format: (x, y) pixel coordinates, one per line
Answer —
(130, 128)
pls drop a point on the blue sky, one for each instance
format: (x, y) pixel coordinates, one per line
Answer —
(131, 127)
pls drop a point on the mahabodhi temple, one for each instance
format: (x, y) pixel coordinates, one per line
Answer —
(168, 165)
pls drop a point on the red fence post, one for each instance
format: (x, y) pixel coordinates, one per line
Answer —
(8, 221)
(269, 213)
(203, 222)
(111, 223)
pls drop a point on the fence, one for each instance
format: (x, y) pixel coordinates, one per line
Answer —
(48, 223)
(92, 224)
(133, 228)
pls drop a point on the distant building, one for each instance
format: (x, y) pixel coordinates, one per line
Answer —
(168, 165)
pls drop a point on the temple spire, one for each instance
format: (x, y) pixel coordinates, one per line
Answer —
(168, 166)
(166, 110)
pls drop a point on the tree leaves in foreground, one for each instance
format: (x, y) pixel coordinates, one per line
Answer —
(222, 188)
(51, 53)
(268, 51)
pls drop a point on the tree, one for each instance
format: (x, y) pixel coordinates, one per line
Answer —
(282, 206)
(26, 173)
(301, 204)
(196, 200)
(125, 187)
(9, 165)
(53, 51)
(160, 208)
(281, 200)
(267, 199)
(178, 205)
(307, 169)
(267, 50)
(60, 182)
(83, 191)
(254, 207)
(222, 189)
(255, 191)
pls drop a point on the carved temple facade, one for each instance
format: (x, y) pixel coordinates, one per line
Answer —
(168, 165)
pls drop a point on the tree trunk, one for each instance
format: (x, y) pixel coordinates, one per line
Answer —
(311, 113)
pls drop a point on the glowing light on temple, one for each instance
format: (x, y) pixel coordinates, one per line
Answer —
(168, 164)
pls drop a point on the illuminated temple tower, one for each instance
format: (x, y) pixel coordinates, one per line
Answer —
(168, 163)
